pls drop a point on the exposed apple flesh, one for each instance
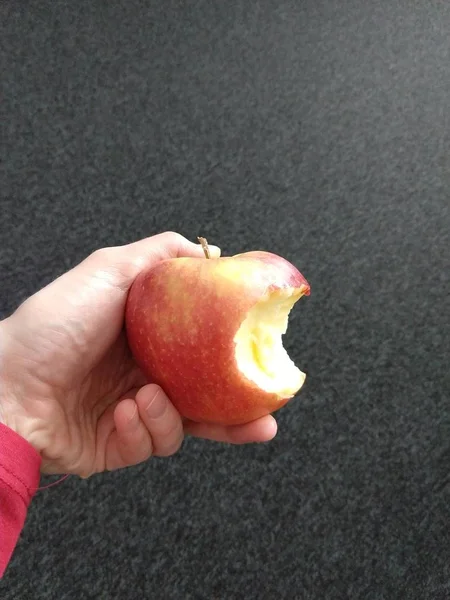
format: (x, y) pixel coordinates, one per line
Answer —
(209, 331)
(260, 354)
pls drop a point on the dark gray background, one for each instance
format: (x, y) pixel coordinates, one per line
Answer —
(315, 129)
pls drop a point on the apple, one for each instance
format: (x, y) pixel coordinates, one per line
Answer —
(209, 332)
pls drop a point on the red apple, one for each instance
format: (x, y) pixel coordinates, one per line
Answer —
(209, 332)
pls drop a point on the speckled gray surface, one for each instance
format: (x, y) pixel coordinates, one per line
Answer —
(319, 130)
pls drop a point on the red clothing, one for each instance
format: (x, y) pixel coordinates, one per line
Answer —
(19, 479)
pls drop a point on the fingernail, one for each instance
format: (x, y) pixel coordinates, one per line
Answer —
(215, 251)
(156, 406)
(134, 419)
(272, 430)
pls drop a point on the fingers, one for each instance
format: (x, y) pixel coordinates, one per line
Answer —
(120, 265)
(166, 245)
(147, 424)
(161, 419)
(130, 443)
(261, 430)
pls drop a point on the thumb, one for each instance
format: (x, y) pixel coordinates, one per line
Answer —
(163, 246)
(122, 264)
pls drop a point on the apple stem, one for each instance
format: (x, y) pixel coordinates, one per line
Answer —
(204, 242)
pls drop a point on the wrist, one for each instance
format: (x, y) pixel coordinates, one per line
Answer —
(23, 427)
(12, 412)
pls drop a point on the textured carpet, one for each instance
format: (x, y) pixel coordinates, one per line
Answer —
(316, 129)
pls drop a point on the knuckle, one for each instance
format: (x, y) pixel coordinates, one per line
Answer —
(103, 256)
(173, 239)
(173, 235)
(108, 265)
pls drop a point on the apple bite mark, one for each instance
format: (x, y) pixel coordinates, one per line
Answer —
(259, 351)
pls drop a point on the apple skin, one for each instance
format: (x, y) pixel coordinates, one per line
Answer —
(181, 319)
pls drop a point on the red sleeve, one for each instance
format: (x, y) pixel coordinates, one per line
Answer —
(19, 479)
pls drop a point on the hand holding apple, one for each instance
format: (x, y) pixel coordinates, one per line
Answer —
(209, 332)
(68, 382)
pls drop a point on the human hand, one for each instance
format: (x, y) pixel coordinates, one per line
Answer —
(69, 384)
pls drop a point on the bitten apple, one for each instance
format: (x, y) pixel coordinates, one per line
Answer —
(209, 332)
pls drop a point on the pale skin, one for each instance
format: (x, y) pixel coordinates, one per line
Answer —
(68, 382)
